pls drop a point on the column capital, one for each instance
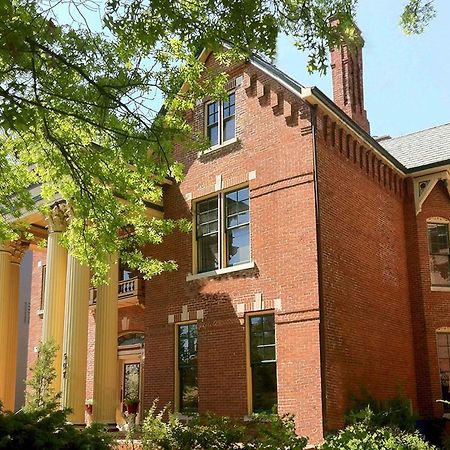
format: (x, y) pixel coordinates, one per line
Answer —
(6, 247)
(18, 249)
(57, 219)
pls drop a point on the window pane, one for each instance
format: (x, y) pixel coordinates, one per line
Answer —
(229, 128)
(212, 113)
(238, 243)
(213, 134)
(188, 390)
(187, 364)
(131, 380)
(207, 253)
(229, 106)
(439, 266)
(438, 238)
(264, 384)
(263, 364)
(207, 234)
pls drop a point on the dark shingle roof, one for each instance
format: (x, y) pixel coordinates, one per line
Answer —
(429, 147)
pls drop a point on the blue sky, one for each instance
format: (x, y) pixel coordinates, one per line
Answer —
(406, 78)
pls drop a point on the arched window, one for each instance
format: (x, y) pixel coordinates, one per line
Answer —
(131, 339)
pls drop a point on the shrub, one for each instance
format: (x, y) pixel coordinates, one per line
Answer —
(395, 412)
(276, 432)
(362, 436)
(211, 432)
(47, 429)
(42, 424)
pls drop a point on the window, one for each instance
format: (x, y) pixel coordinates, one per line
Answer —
(263, 365)
(187, 368)
(438, 241)
(220, 120)
(131, 339)
(223, 230)
(443, 346)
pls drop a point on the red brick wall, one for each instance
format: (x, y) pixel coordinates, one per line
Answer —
(35, 327)
(431, 310)
(368, 345)
(284, 250)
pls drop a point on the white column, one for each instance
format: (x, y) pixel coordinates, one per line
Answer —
(18, 250)
(106, 392)
(75, 339)
(55, 287)
(5, 292)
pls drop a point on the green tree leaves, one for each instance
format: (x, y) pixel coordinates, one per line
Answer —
(80, 105)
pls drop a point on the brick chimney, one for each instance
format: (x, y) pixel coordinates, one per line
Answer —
(348, 88)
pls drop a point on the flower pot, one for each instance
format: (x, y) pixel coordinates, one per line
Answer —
(132, 408)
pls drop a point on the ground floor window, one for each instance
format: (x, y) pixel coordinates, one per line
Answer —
(443, 343)
(263, 365)
(187, 368)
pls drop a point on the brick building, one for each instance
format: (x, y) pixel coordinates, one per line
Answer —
(318, 267)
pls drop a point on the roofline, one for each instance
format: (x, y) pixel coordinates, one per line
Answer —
(414, 170)
(314, 96)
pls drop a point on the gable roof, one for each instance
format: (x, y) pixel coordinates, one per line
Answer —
(422, 149)
(407, 154)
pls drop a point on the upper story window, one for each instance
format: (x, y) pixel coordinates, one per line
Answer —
(220, 120)
(223, 230)
(439, 250)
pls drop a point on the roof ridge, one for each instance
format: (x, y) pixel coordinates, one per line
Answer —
(417, 132)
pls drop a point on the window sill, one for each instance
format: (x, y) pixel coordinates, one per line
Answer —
(218, 272)
(217, 148)
(440, 288)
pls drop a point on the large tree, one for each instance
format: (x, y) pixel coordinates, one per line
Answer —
(81, 84)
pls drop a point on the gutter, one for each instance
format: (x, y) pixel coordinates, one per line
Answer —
(322, 331)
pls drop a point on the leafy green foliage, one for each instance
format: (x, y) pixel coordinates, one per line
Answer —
(42, 424)
(47, 429)
(219, 433)
(81, 85)
(395, 412)
(40, 393)
(416, 16)
(362, 436)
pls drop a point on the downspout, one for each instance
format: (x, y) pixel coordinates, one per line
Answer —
(319, 270)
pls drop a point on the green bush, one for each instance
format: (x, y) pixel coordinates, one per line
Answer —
(47, 429)
(42, 424)
(395, 412)
(211, 432)
(362, 436)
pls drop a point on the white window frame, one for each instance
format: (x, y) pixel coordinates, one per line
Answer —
(220, 124)
(221, 235)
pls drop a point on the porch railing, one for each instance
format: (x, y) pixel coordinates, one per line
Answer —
(130, 291)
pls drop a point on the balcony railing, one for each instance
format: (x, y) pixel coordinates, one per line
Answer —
(131, 292)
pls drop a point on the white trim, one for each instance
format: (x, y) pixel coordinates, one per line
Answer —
(438, 220)
(431, 180)
(440, 288)
(217, 147)
(218, 272)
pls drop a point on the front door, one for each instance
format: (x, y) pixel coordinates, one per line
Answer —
(131, 375)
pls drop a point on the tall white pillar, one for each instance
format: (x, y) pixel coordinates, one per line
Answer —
(55, 287)
(18, 249)
(5, 295)
(75, 339)
(106, 392)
